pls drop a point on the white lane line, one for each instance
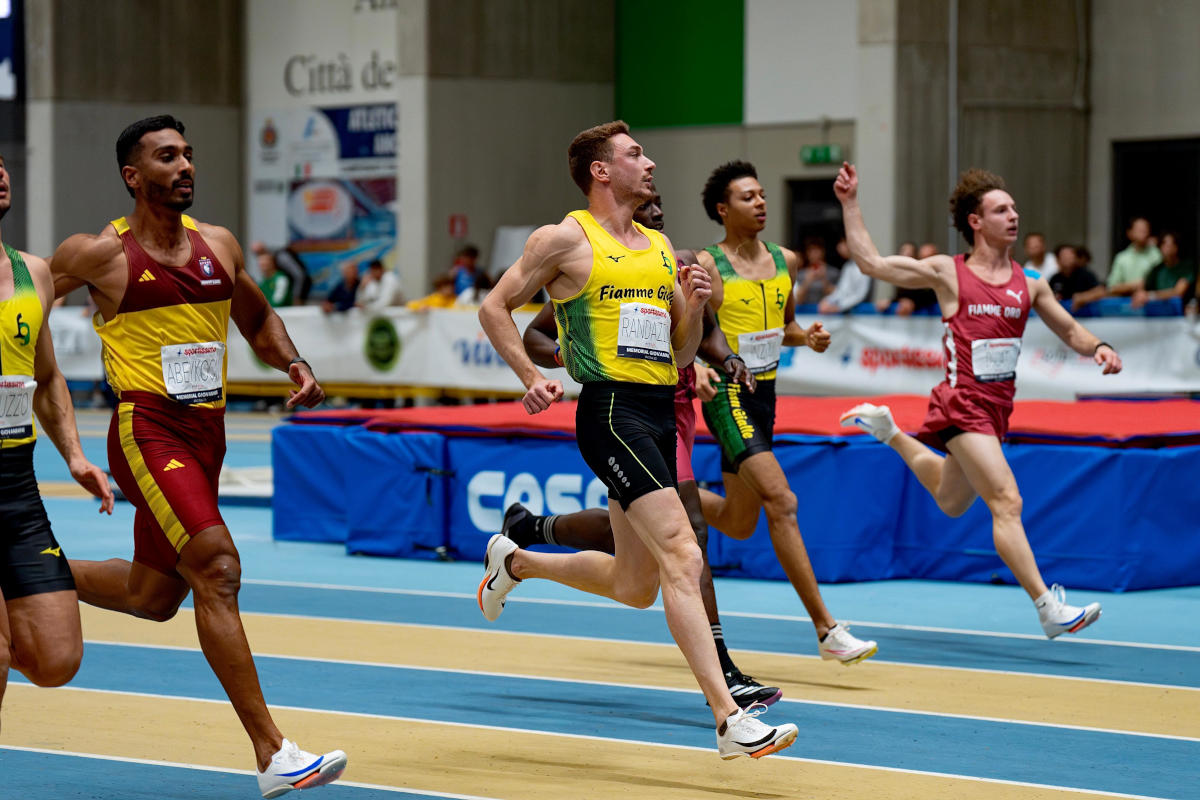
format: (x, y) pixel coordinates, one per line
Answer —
(724, 613)
(641, 743)
(230, 771)
(650, 687)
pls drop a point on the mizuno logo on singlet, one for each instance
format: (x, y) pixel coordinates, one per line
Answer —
(173, 464)
(146, 276)
(615, 259)
(51, 551)
(746, 300)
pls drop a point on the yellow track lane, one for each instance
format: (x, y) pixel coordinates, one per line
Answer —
(1062, 701)
(451, 758)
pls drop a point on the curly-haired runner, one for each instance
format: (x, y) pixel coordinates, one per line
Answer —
(985, 298)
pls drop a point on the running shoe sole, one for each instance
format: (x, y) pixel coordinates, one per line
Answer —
(782, 743)
(328, 772)
(849, 662)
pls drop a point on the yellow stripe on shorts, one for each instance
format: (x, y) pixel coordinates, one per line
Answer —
(159, 507)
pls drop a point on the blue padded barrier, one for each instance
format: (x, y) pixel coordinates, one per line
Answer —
(309, 468)
(396, 495)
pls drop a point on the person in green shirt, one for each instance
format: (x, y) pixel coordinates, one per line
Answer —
(1130, 265)
(1170, 277)
(276, 286)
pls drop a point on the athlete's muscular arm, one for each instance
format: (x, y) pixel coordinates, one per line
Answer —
(935, 272)
(1067, 328)
(705, 259)
(52, 399)
(815, 335)
(693, 288)
(541, 339)
(97, 262)
(261, 326)
(547, 250)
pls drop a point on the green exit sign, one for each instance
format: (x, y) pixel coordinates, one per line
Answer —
(821, 154)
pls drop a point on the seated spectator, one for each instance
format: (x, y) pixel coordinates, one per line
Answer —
(1169, 278)
(1129, 267)
(852, 287)
(911, 301)
(275, 285)
(287, 261)
(443, 295)
(816, 279)
(379, 289)
(1075, 285)
(463, 269)
(341, 297)
(1038, 259)
(474, 296)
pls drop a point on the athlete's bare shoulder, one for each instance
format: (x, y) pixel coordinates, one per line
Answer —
(222, 240)
(84, 253)
(558, 243)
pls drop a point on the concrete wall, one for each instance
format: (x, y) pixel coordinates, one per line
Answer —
(93, 68)
(1022, 111)
(510, 83)
(1138, 91)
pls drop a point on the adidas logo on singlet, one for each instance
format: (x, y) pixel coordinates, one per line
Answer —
(173, 464)
(146, 276)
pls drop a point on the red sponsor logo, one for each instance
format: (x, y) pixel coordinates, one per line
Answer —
(199, 351)
(874, 358)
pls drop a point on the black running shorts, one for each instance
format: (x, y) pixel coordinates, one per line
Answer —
(31, 561)
(742, 422)
(626, 434)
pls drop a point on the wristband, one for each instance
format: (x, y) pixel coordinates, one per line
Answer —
(733, 355)
(299, 360)
(1103, 344)
(558, 356)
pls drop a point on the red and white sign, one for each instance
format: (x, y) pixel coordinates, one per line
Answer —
(458, 226)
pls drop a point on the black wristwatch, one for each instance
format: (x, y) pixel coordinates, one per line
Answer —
(299, 360)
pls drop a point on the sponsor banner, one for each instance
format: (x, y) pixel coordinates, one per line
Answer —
(868, 355)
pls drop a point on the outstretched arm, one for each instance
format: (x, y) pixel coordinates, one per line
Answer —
(929, 273)
(265, 332)
(52, 399)
(1067, 328)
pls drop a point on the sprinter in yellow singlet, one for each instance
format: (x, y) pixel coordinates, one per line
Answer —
(166, 287)
(752, 298)
(625, 314)
(39, 610)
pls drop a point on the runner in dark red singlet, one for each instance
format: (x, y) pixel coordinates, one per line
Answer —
(985, 299)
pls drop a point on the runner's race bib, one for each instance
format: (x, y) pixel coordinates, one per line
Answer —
(16, 406)
(995, 359)
(192, 372)
(760, 350)
(645, 333)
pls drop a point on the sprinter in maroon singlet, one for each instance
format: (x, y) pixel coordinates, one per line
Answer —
(985, 299)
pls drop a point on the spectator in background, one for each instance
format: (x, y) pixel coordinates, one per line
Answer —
(817, 279)
(852, 287)
(442, 296)
(341, 297)
(911, 301)
(1075, 285)
(474, 296)
(1130, 266)
(463, 269)
(1170, 277)
(379, 289)
(1038, 259)
(286, 261)
(276, 286)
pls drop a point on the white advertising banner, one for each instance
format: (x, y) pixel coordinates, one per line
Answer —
(869, 354)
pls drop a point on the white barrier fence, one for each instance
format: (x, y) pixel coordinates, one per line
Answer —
(869, 355)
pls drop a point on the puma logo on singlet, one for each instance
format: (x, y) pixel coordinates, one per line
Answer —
(51, 551)
(146, 276)
(1016, 294)
(173, 464)
(615, 258)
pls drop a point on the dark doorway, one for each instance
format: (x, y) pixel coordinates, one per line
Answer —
(814, 212)
(1158, 180)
